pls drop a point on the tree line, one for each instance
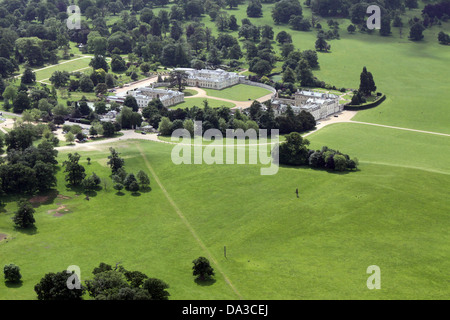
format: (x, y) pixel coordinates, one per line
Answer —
(108, 283)
(295, 152)
(257, 116)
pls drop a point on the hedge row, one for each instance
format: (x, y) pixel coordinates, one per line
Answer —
(366, 105)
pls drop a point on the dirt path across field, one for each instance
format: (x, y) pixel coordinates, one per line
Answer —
(187, 224)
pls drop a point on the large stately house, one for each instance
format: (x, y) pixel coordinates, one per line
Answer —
(213, 79)
(146, 94)
(320, 105)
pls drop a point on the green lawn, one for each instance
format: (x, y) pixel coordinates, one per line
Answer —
(393, 216)
(239, 92)
(63, 66)
(213, 103)
(413, 75)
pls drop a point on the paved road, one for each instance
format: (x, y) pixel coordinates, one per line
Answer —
(343, 117)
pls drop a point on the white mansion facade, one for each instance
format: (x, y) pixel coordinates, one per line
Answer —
(146, 94)
(213, 79)
(320, 105)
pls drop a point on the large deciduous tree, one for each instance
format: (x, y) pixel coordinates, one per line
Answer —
(202, 269)
(75, 171)
(24, 217)
(53, 286)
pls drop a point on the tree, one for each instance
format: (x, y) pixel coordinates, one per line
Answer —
(385, 29)
(101, 88)
(165, 126)
(157, 289)
(178, 79)
(367, 84)
(213, 56)
(118, 64)
(443, 38)
(284, 9)
(202, 269)
(12, 273)
(311, 57)
(21, 102)
(222, 21)
(115, 162)
(294, 150)
(59, 78)
(254, 9)
(351, 29)
(28, 76)
(109, 80)
(131, 102)
(411, 4)
(304, 74)
(86, 84)
(70, 138)
(24, 216)
(91, 183)
(108, 129)
(118, 187)
(106, 284)
(10, 92)
(53, 286)
(416, 32)
(340, 162)
(261, 67)
(129, 180)
(75, 171)
(283, 37)
(133, 187)
(7, 68)
(298, 23)
(99, 62)
(45, 175)
(143, 179)
(19, 138)
(128, 119)
(321, 43)
(288, 75)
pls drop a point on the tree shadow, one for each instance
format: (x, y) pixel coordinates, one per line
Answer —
(13, 285)
(29, 231)
(330, 171)
(205, 282)
(77, 189)
(43, 198)
(145, 189)
(90, 193)
(136, 194)
(120, 193)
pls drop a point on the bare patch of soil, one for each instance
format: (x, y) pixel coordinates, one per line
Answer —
(60, 211)
(3, 236)
(37, 200)
(61, 196)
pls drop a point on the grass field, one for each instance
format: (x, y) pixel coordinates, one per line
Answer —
(413, 75)
(239, 92)
(278, 246)
(69, 66)
(392, 212)
(190, 102)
